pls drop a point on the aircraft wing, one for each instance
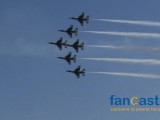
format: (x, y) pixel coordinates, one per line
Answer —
(77, 70)
(81, 16)
(59, 41)
(68, 61)
(76, 49)
(70, 28)
(60, 47)
(70, 34)
(81, 21)
(76, 43)
(78, 75)
(69, 55)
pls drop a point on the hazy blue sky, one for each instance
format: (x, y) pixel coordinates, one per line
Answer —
(34, 84)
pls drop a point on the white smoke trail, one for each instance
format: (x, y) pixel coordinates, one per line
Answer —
(134, 22)
(148, 76)
(123, 60)
(129, 34)
(125, 47)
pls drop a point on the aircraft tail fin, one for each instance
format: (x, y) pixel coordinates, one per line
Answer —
(82, 46)
(83, 72)
(50, 42)
(71, 18)
(87, 19)
(68, 70)
(76, 31)
(74, 58)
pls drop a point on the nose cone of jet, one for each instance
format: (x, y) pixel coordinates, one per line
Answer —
(50, 43)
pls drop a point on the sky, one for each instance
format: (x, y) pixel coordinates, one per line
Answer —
(33, 82)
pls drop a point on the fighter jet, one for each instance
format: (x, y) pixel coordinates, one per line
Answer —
(68, 58)
(59, 43)
(81, 18)
(70, 31)
(77, 71)
(76, 45)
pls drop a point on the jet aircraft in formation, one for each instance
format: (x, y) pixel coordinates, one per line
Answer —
(81, 18)
(59, 43)
(76, 45)
(70, 31)
(77, 71)
(68, 58)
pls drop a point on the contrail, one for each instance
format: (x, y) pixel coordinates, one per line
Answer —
(133, 22)
(129, 34)
(148, 76)
(123, 60)
(125, 47)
